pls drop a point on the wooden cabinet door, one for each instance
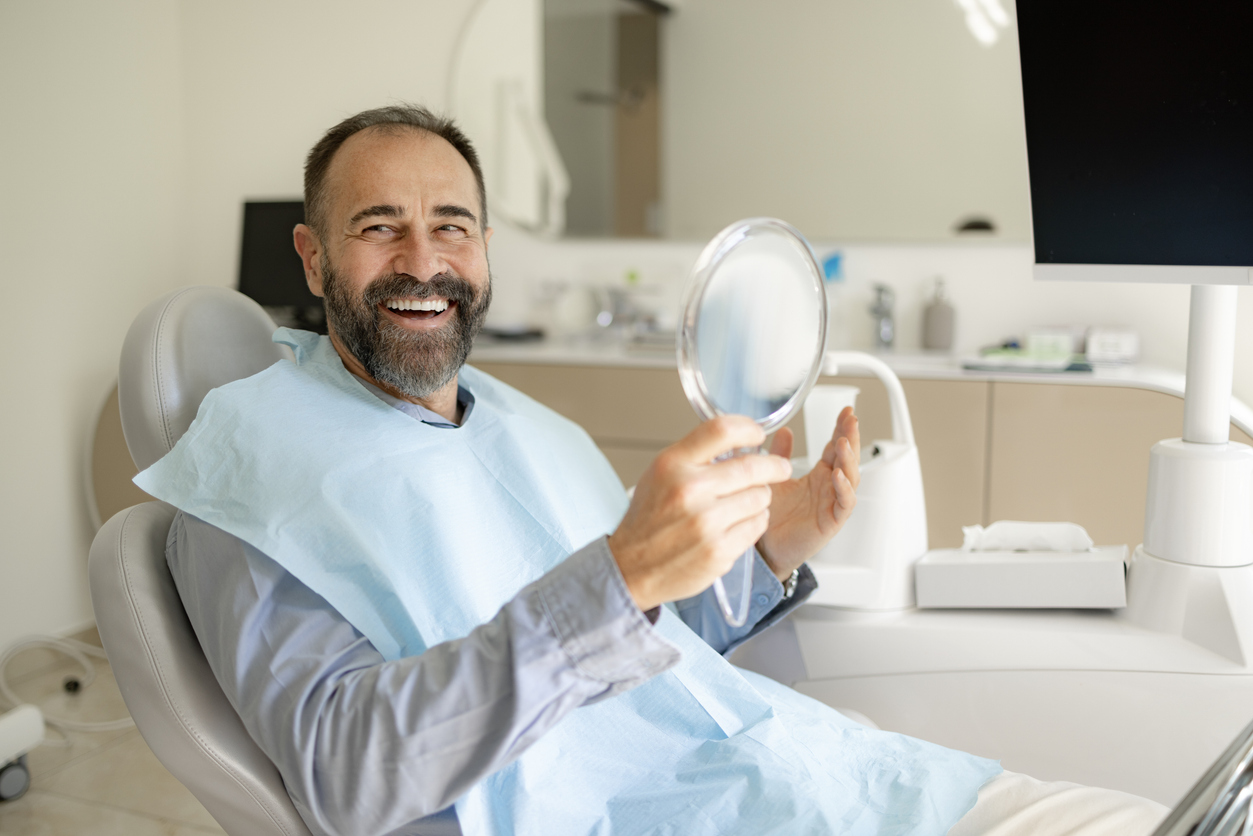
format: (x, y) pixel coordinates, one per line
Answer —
(1078, 453)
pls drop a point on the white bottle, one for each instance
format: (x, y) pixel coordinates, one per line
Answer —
(937, 321)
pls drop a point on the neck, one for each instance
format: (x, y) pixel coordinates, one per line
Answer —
(442, 402)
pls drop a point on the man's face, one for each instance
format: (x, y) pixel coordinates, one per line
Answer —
(402, 261)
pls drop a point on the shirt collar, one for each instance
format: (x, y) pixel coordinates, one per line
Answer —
(465, 400)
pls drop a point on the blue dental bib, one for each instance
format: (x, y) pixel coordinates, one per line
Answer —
(417, 535)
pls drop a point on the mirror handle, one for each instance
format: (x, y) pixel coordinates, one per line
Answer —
(854, 362)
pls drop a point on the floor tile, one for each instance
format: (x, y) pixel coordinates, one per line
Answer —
(98, 702)
(102, 782)
(39, 659)
(40, 813)
(36, 660)
(49, 758)
(125, 774)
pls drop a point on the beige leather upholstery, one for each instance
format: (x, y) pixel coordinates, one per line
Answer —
(179, 348)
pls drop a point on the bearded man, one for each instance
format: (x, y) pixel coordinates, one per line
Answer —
(433, 607)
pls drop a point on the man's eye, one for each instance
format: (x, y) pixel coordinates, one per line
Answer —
(451, 228)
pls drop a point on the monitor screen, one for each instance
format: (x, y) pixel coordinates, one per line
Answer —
(270, 270)
(1139, 119)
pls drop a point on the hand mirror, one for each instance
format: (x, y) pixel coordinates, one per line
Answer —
(752, 335)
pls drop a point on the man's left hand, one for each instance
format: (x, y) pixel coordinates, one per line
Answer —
(806, 513)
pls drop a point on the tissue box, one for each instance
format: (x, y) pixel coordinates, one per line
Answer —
(1113, 345)
(951, 578)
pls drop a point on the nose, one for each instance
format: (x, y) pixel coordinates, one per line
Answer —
(419, 256)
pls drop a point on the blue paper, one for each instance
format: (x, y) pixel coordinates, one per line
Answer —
(418, 534)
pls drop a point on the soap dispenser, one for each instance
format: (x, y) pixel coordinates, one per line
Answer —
(937, 321)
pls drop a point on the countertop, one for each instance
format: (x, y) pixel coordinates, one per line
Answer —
(618, 353)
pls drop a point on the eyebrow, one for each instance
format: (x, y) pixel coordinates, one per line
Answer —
(387, 210)
(383, 210)
(452, 210)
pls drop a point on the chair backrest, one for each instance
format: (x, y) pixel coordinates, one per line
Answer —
(179, 348)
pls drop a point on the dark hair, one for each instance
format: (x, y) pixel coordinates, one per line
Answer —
(392, 118)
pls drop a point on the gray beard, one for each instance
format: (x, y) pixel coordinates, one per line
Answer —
(412, 363)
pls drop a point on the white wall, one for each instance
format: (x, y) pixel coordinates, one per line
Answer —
(264, 80)
(989, 284)
(134, 130)
(91, 215)
(858, 120)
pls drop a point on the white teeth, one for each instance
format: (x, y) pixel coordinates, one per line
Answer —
(417, 304)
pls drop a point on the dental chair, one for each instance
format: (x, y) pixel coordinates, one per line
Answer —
(181, 346)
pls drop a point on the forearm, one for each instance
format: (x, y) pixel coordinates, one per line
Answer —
(367, 746)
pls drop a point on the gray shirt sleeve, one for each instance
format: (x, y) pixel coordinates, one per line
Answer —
(370, 746)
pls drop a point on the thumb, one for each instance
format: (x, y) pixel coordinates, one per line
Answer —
(782, 443)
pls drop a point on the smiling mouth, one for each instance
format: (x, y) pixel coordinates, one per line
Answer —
(418, 309)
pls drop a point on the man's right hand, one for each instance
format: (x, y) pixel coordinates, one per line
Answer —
(692, 517)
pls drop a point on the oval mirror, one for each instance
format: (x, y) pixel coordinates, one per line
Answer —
(752, 335)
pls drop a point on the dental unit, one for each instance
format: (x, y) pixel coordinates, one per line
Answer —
(1140, 698)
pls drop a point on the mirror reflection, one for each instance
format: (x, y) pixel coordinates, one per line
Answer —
(855, 119)
(754, 325)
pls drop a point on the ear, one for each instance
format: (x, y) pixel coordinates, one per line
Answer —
(487, 236)
(309, 246)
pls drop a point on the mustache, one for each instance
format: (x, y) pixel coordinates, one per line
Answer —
(445, 285)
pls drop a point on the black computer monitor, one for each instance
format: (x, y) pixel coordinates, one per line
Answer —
(1139, 119)
(270, 270)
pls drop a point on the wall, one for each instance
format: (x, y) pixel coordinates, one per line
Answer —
(134, 131)
(854, 119)
(989, 284)
(91, 167)
(583, 132)
(264, 80)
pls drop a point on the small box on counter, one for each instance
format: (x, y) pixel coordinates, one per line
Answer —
(952, 578)
(1113, 345)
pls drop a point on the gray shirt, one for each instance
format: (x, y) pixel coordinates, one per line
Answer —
(368, 746)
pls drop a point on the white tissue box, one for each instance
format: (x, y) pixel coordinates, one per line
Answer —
(951, 578)
(1110, 345)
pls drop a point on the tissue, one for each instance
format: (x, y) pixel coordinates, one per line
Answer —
(1007, 536)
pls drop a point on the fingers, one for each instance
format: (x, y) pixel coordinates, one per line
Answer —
(742, 535)
(848, 426)
(734, 475)
(845, 495)
(848, 461)
(843, 451)
(717, 436)
(782, 443)
(730, 511)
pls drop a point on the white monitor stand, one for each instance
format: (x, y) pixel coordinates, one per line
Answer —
(1141, 699)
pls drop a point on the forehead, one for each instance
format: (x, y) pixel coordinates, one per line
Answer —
(405, 167)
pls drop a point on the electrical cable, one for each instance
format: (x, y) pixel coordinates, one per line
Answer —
(79, 652)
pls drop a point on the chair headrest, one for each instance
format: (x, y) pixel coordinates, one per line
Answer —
(179, 347)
